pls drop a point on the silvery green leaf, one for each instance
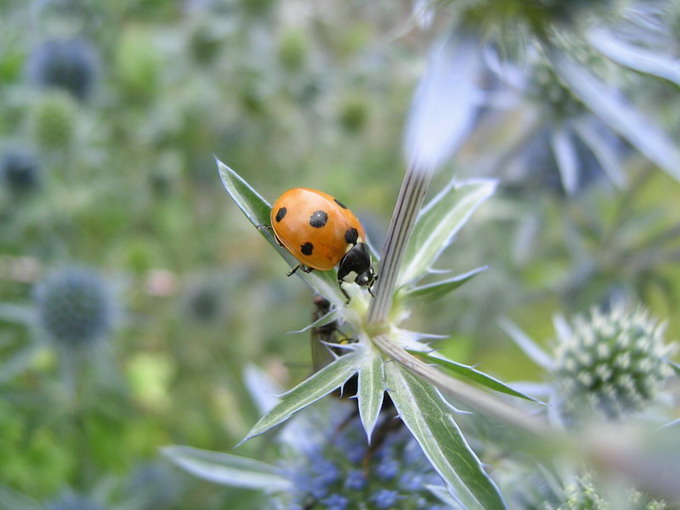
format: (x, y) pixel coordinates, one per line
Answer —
(17, 313)
(445, 496)
(308, 391)
(672, 423)
(525, 343)
(634, 57)
(443, 108)
(371, 391)
(11, 499)
(257, 210)
(618, 114)
(675, 367)
(262, 389)
(566, 158)
(428, 416)
(18, 361)
(436, 290)
(321, 321)
(562, 328)
(226, 469)
(602, 150)
(475, 375)
(438, 222)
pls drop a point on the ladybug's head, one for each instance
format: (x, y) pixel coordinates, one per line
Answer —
(355, 267)
(366, 278)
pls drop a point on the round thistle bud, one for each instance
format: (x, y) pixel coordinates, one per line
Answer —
(53, 121)
(204, 302)
(19, 171)
(293, 49)
(344, 472)
(75, 306)
(353, 115)
(583, 494)
(614, 363)
(69, 64)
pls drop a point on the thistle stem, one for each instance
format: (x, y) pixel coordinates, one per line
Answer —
(411, 197)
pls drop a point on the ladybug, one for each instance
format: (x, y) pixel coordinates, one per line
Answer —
(320, 232)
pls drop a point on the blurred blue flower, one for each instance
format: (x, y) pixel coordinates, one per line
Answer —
(69, 64)
(75, 306)
(19, 171)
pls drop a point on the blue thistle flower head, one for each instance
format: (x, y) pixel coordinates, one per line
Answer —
(75, 306)
(19, 171)
(343, 472)
(69, 64)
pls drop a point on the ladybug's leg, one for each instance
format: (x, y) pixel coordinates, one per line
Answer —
(300, 266)
(340, 282)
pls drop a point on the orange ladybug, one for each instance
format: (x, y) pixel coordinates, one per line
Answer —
(320, 232)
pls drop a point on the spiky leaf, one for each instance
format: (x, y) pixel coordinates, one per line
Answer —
(428, 416)
(434, 291)
(227, 469)
(438, 222)
(619, 114)
(473, 374)
(257, 210)
(371, 392)
(308, 391)
(635, 57)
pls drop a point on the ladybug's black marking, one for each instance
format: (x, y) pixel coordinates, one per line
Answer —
(339, 203)
(281, 213)
(351, 236)
(307, 248)
(318, 219)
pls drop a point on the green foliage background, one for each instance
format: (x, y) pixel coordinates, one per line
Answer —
(290, 94)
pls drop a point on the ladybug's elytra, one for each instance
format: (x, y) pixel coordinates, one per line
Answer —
(319, 231)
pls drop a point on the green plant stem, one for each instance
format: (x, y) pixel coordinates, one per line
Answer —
(410, 200)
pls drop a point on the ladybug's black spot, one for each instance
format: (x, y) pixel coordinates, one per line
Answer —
(351, 236)
(307, 248)
(318, 219)
(281, 213)
(339, 203)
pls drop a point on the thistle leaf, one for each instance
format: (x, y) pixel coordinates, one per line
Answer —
(474, 375)
(438, 222)
(443, 107)
(11, 499)
(428, 416)
(530, 348)
(434, 291)
(525, 343)
(18, 361)
(618, 114)
(634, 57)
(257, 210)
(226, 469)
(308, 391)
(371, 391)
(675, 367)
(602, 150)
(566, 158)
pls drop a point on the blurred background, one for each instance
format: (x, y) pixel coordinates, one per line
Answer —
(132, 290)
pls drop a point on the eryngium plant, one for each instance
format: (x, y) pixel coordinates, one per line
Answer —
(384, 356)
(75, 307)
